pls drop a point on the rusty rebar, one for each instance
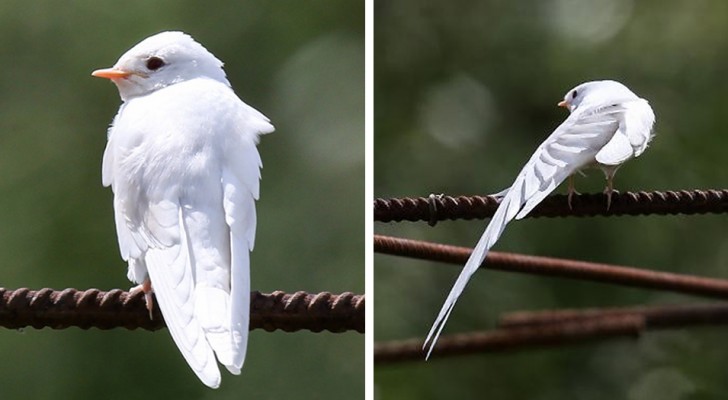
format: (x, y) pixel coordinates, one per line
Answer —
(527, 330)
(583, 205)
(511, 339)
(116, 308)
(656, 317)
(548, 266)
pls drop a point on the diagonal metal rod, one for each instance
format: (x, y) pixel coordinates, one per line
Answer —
(625, 323)
(93, 308)
(605, 273)
(664, 316)
(584, 205)
(501, 340)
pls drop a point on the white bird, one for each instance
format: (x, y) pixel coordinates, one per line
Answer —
(183, 166)
(608, 125)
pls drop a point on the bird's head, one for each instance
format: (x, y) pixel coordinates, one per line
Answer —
(160, 61)
(596, 93)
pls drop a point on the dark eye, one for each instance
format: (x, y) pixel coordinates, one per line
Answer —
(573, 94)
(154, 63)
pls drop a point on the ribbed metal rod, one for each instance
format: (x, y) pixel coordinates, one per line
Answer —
(663, 316)
(548, 266)
(116, 308)
(528, 330)
(584, 205)
(512, 339)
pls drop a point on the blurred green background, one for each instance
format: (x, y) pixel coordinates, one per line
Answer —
(465, 91)
(301, 64)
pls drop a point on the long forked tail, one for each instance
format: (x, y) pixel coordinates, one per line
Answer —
(506, 211)
(566, 150)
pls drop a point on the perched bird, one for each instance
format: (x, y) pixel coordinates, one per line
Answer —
(608, 125)
(182, 162)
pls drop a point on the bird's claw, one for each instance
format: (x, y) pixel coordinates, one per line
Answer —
(571, 190)
(608, 192)
(145, 287)
(500, 195)
(569, 195)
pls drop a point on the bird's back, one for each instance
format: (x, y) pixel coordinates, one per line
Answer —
(184, 169)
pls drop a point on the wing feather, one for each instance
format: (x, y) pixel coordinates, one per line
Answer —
(637, 125)
(570, 147)
(240, 190)
(616, 151)
(174, 283)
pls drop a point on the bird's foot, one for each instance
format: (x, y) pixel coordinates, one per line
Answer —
(571, 194)
(571, 191)
(145, 287)
(500, 195)
(608, 191)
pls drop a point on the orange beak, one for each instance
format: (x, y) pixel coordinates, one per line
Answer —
(110, 73)
(563, 103)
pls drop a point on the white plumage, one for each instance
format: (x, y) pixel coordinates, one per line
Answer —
(183, 166)
(608, 125)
